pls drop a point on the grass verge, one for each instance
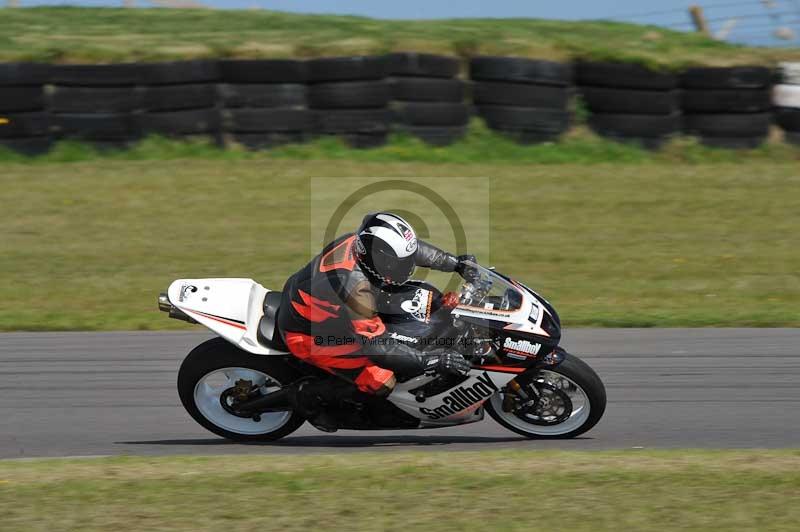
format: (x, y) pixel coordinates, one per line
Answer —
(64, 34)
(497, 490)
(88, 245)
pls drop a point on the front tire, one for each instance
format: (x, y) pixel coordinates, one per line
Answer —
(586, 398)
(213, 367)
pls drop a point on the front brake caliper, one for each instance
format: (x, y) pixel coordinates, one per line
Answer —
(242, 389)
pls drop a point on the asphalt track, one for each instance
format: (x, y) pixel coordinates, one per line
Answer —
(66, 394)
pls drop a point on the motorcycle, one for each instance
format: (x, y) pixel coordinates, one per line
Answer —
(239, 384)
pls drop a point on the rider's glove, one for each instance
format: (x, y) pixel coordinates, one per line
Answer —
(466, 271)
(447, 363)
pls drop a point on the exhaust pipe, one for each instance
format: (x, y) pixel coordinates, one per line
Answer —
(164, 305)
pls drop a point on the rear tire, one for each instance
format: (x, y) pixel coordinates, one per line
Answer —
(580, 374)
(218, 354)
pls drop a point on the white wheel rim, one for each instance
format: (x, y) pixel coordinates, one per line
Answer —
(581, 408)
(209, 388)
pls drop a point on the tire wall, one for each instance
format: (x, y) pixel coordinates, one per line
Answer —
(428, 99)
(24, 122)
(629, 102)
(264, 103)
(525, 99)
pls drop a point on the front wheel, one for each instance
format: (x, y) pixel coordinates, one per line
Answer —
(211, 374)
(560, 402)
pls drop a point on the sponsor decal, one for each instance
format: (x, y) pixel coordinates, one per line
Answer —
(403, 338)
(419, 306)
(521, 347)
(186, 289)
(462, 398)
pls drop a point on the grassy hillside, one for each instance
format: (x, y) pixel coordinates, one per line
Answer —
(104, 34)
(89, 245)
(432, 491)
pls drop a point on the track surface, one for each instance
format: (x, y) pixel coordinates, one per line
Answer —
(67, 394)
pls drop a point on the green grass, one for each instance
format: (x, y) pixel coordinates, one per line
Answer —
(648, 242)
(520, 490)
(63, 34)
(479, 145)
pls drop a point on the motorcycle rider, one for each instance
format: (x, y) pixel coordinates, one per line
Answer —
(328, 314)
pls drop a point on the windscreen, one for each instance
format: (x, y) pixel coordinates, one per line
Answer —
(487, 291)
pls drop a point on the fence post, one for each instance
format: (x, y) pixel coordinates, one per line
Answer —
(699, 20)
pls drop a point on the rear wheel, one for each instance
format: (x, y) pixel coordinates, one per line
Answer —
(214, 373)
(562, 402)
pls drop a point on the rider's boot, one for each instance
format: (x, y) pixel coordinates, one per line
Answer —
(314, 399)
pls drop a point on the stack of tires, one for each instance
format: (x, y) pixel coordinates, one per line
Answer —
(179, 100)
(727, 107)
(427, 98)
(629, 102)
(264, 102)
(786, 100)
(96, 103)
(24, 124)
(350, 98)
(523, 98)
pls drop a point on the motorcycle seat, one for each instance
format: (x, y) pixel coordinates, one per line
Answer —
(267, 333)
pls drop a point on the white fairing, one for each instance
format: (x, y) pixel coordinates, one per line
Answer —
(458, 405)
(231, 308)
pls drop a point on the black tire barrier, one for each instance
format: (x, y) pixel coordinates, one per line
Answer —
(635, 126)
(726, 100)
(416, 89)
(96, 126)
(180, 123)
(263, 71)
(24, 74)
(623, 76)
(349, 94)
(180, 72)
(431, 113)
(436, 135)
(519, 94)
(490, 68)
(20, 125)
(728, 125)
(365, 140)
(744, 77)
(355, 68)
(261, 141)
(179, 97)
(267, 120)
(72, 99)
(28, 145)
(18, 99)
(114, 75)
(531, 119)
(631, 101)
(262, 95)
(422, 65)
(512, 95)
(352, 120)
(788, 118)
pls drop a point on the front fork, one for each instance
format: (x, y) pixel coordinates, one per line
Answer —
(517, 392)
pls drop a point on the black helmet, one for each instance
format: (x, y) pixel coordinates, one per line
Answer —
(385, 249)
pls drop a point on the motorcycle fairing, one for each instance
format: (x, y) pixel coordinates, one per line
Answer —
(231, 307)
(457, 405)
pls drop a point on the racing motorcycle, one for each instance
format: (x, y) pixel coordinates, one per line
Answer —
(238, 385)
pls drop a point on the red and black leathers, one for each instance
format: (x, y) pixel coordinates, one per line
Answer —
(328, 317)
